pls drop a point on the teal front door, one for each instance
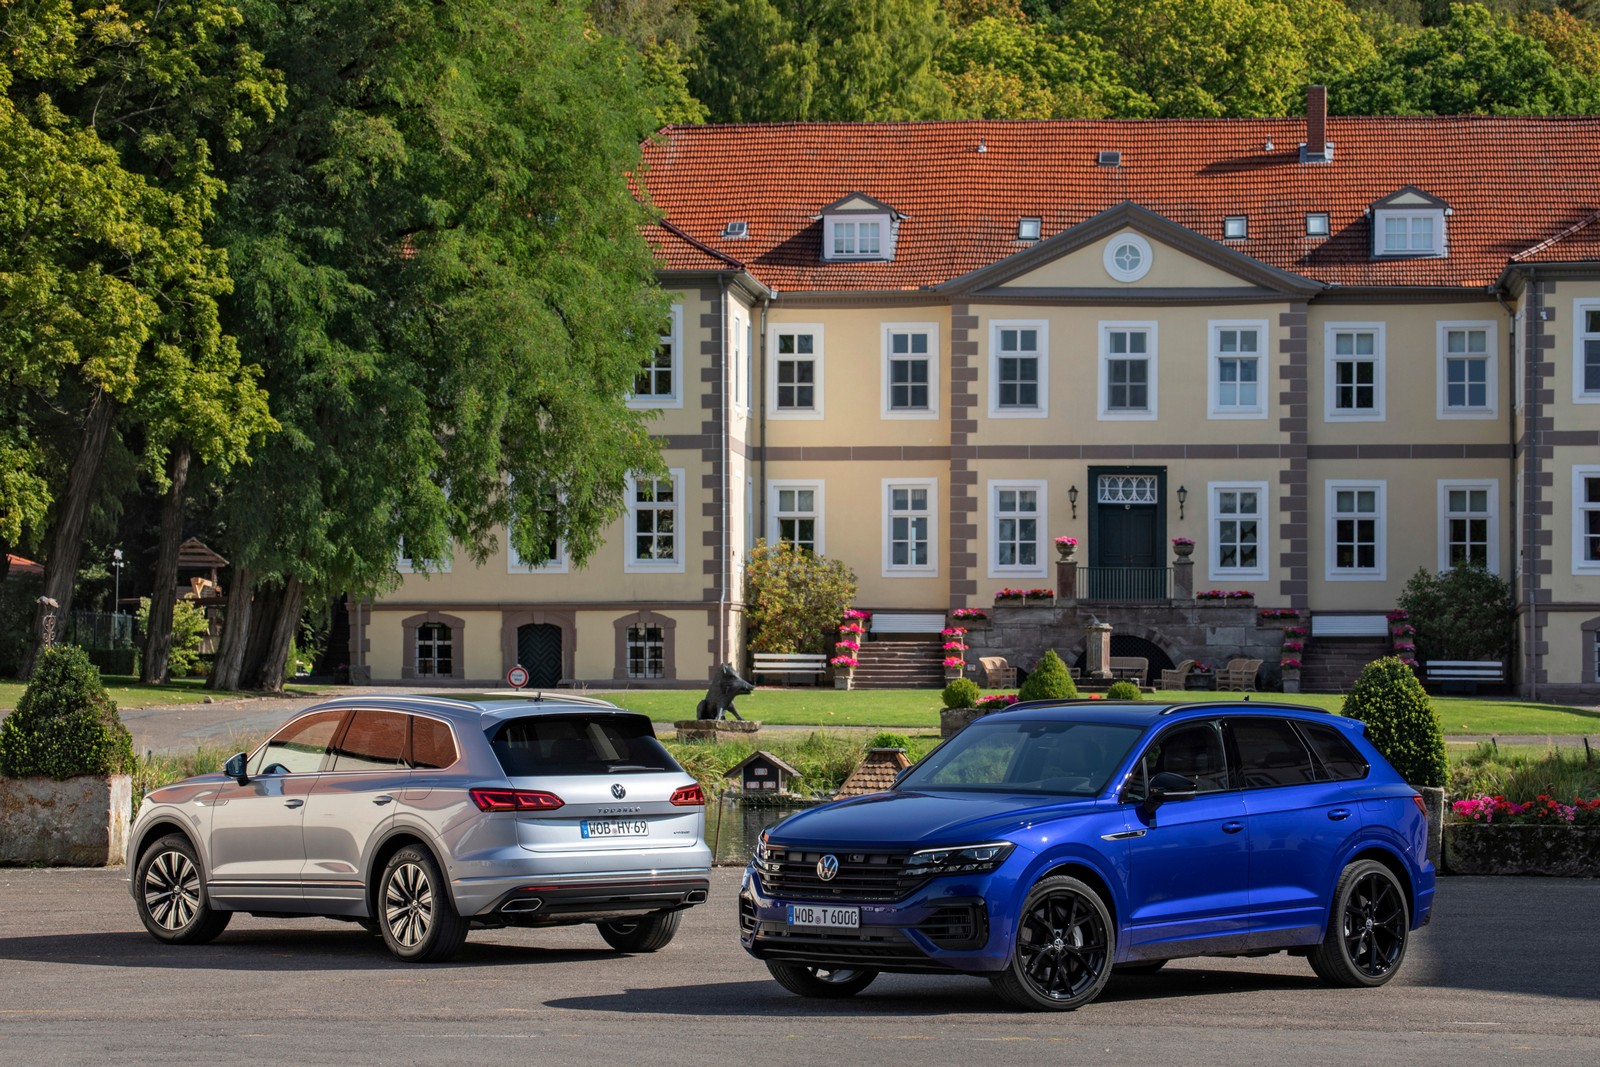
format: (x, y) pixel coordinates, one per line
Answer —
(1127, 523)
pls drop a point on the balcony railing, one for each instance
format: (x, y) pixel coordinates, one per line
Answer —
(1125, 583)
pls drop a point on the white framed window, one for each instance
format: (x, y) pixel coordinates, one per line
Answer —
(1317, 224)
(1127, 257)
(646, 649)
(1017, 524)
(1238, 530)
(409, 565)
(1128, 367)
(910, 527)
(1355, 534)
(1408, 233)
(1353, 375)
(555, 561)
(1586, 352)
(910, 370)
(659, 383)
(794, 382)
(1586, 520)
(739, 361)
(796, 514)
(655, 524)
(1236, 383)
(1019, 369)
(1469, 523)
(1468, 371)
(855, 238)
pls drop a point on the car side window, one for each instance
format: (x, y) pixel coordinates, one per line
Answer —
(299, 747)
(376, 741)
(1271, 753)
(1193, 750)
(432, 745)
(1340, 759)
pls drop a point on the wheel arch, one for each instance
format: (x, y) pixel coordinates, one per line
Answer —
(398, 839)
(1396, 866)
(160, 827)
(1089, 876)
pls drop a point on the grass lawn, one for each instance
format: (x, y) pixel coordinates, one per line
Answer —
(919, 709)
(129, 694)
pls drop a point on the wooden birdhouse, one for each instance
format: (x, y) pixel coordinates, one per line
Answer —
(763, 773)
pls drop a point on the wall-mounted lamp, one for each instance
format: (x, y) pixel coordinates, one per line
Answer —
(1072, 498)
(1183, 494)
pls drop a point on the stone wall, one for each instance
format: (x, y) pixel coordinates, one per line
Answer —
(81, 822)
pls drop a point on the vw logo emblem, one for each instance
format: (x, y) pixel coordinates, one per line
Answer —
(827, 867)
(618, 792)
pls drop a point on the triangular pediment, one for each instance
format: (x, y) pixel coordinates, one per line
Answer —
(1409, 196)
(1075, 261)
(859, 203)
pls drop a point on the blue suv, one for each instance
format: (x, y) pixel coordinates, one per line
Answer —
(1048, 844)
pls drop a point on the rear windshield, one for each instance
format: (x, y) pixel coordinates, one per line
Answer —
(543, 745)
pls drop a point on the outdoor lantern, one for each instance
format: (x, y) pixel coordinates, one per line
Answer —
(1072, 497)
(1183, 494)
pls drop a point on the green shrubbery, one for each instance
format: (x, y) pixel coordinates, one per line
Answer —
(1462, 613)
(65, 724)
(1124, 690)
(890, 740)
(1049, 681)
(189, 628)
(961, 693)
(1401, 722)
(794, 598)
(823, 759)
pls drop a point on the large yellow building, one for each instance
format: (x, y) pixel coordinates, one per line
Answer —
(1329, 351)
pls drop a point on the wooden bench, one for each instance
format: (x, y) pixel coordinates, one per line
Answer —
(807, 664)
(888, 622)
(1135, 669)
(1349, 626)
(1465, 675)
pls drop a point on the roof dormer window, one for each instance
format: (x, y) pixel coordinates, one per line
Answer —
(1235, 227)
(1409, 223)
(1028, 228)
(857, 227)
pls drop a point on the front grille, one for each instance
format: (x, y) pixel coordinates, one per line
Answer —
(792, 874)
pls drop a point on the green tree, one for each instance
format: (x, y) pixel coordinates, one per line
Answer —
(440, 267)
(1012, 68)
(1462, 613)
(1401, 722)
(793, 598)
(820, 60)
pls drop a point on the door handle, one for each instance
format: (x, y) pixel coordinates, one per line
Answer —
(293, 802)
(1232, 827)
(1337, 814)
(382, 799)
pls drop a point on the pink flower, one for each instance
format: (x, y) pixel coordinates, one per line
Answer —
(843, 661)
(954, 661)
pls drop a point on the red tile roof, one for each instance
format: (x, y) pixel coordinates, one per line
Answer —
(875, 772)
(1512, 184)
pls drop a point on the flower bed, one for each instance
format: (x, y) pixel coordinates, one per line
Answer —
(1493, 835)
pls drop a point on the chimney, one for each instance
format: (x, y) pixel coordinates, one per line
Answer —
(1317, 122)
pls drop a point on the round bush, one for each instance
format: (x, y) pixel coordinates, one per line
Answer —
(1401, 722)
(1049, 681)
(961, 693)
(1124, 690)
(889, 740)
(65, 724)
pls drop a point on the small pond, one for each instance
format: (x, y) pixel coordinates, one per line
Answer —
(733, 824)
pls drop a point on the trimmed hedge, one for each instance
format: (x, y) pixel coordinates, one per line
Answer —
(1124, 690)
(1401, 722)
(65, 724)
(1049, 681)
(961, 693)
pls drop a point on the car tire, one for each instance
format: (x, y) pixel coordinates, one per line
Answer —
(1065, 942)
(1368, 927)
(418, 920)
(171, 896)
(645, 934)
(1141, 967)
(828, 983)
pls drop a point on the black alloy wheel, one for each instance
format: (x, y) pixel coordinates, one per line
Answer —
(1367, 928)
(1064, 946)
(826, 982)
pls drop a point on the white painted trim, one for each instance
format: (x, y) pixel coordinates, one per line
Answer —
(815, 412)
(1380, 572)
(680, 546)
(739, 361)
(1380, 249)
(1152, 357)
(1044, 547)
(1262, 571)
(817, 485)
(1042, 411)
(653, 402)
(1579, 564)
(1493, 547)
(931, 329)
(1214, 356)
(909, 570)
(1578, 308)
(1146, 257)
(885, 238)
(1329, 358)
(1491, 359)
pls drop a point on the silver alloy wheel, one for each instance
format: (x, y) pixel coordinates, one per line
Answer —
(172, 890)
(408, 904)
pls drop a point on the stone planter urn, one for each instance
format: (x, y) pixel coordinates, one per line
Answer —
(1291, 679)
(1182, 551)
(79, 822)
(1065, 552)
(843, 677)
(1502, 848)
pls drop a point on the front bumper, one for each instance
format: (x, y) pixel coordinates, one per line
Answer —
(943, 927)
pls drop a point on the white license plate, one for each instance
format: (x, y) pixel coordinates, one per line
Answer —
(821, 915)
(614, 828)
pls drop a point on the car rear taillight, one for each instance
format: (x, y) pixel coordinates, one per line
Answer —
(1422, 805)
(514, 800)
(689, 796)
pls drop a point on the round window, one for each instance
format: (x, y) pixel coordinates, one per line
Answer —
(1127, 257)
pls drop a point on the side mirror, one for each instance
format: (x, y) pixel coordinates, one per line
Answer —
(1166, 787)
(234, 768)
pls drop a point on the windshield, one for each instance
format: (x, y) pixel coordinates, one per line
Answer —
(1069, 758)
(543, 745)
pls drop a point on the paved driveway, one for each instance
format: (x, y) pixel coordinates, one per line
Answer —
(1505, 975)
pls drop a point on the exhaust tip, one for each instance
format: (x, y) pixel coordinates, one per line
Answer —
(522, 904)
(695, 896)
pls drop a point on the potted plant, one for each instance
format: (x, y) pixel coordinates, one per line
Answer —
(1291, 674)
(1183, 547)
(1066, 546)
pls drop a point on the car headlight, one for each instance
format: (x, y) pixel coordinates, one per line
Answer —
(959, 859)
(762, 851)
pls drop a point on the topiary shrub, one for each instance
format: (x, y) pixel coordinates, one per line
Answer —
(961, 693)
(1401, 722)
(1124, 690)
(889, 740)
(1049, 681)
(65, 724)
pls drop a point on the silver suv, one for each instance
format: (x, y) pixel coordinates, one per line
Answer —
(421, 817)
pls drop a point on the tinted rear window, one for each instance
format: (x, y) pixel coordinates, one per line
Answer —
(1339, 757)
(542, 745)
(1270, 753)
